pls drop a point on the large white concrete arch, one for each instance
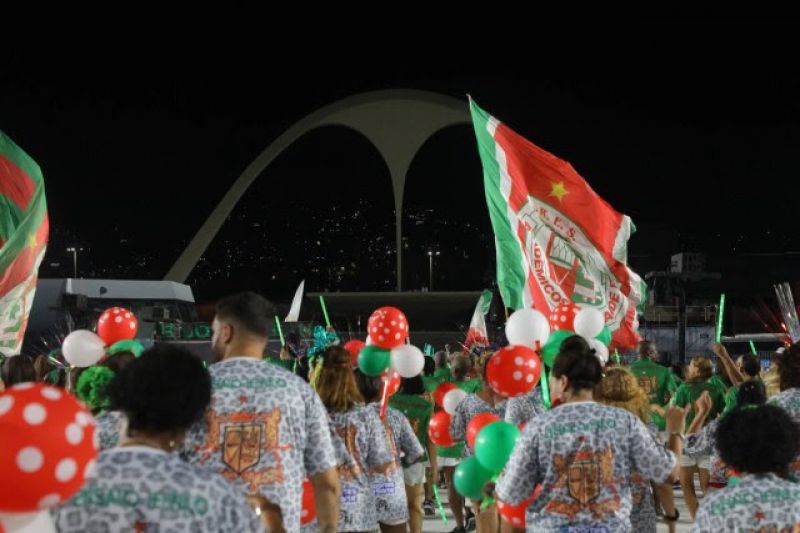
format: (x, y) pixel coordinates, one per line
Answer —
(396, 122)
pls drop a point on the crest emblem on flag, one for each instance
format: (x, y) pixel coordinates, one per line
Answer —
(556, 240)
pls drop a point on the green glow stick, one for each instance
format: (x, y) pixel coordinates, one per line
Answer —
(719, 318)
(545, 383)
(325, 311)
(753, 348)
(439, 503)
(616, 355)
(280, 331)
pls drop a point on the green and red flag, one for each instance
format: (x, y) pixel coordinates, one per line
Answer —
(556, 239)
(24, 230)
(477, 333)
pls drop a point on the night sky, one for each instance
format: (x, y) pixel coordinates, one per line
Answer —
(703, 157)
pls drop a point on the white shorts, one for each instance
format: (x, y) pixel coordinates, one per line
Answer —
(414, 474)
(394, 522)
(700, 461)
(449, 461)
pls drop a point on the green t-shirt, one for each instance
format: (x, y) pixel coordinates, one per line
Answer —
(732, 398)
(720, 382)
(418, 410)
(439, 376)
(689, 392)
(658, 382)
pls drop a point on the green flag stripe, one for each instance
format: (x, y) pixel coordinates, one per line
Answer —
(510, 276)
(18, 156)
(10, 217)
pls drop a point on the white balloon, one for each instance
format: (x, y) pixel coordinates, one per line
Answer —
(407, 360)
(600, 350)
(589, 322)
(38, 522)
(452, 399)
(526, 326)
(83, 348)
(369, 341)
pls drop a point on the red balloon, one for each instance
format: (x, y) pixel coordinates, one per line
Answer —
(47, 449)
(354, 346)
(439, 429)
(309, 512)
(441, 390)
(117, 324)
(515, 514)
(513, 371)
(394, 381)
(563, 317)
(476, 424)
(388, 328)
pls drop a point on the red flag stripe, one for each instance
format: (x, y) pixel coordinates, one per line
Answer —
(16, 185)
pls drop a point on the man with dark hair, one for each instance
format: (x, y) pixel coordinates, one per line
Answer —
(266, 429)
(759, 443)
(660, 384)
(656, 380)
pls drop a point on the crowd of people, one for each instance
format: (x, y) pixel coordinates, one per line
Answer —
(245, 445)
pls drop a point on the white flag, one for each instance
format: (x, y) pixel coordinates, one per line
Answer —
(294, 312)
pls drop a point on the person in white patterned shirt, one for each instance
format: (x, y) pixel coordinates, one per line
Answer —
(266, 430)
(759, 443)
(788, 363)
(363, 435)
(142, 485)
(585, 454)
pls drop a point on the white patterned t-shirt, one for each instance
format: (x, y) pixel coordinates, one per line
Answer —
(584, 454)
(139, 489)
(265, 431)
(757, 503)
(469, 407)
(523, 409)
(365, 439)
(389, 488)
(789, 401)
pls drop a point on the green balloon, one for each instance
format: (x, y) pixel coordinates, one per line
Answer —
(494, 445)
(470, 477)
(133, 346)
(604, 336)
(373, 360)
(550, 350)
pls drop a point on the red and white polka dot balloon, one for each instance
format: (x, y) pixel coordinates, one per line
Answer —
(563, 317)
(47, 450)
(513, 371)
(388, 328)
(117, 324)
